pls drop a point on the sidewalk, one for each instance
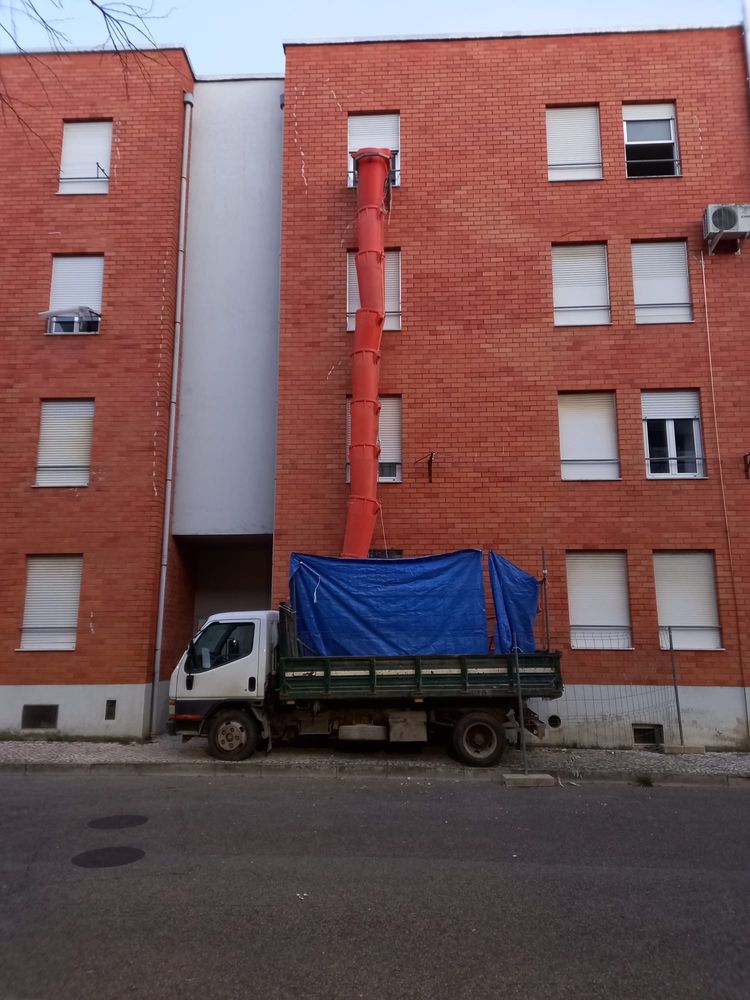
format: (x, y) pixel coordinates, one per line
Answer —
(169, 754)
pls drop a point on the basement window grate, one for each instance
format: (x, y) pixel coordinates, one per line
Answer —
(648, 735)
(385, 554)
(39, 717)
(109, 709)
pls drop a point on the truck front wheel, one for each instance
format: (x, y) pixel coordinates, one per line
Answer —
(478, 739)
(232, 735)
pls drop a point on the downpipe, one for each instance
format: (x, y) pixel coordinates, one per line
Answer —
(177, 344)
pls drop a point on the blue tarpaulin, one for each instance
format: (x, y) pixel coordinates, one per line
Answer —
(516, 598)
(390, 607)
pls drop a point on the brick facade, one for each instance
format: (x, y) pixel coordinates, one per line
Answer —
(115, 522)
(478, 361)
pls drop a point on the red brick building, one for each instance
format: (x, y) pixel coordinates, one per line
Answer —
(90, 157)
(568, 360)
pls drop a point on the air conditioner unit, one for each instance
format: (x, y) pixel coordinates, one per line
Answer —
(730, 222)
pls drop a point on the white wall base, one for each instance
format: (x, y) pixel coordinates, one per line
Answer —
(81, 708)
(603, 715)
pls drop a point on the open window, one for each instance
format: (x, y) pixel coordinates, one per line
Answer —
(86, 153)
(75, 305)
(651, 140)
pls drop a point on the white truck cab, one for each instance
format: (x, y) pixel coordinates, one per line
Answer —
(225, 671)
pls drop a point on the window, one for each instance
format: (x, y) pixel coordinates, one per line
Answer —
(64, 453)
(598, 600)
(53, 589)
(580, 286)
(686, 600)
(588, 435)
(84, 166)
(661, 282)
(220, 643)
(650, 140)
(672, 434)
(389, 438)
(75, 301)
(392, 290)
(574, 150)
(380, 132)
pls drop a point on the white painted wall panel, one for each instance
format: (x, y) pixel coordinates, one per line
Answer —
(225, 468)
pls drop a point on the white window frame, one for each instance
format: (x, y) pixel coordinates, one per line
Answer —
(65, 426)
(54, 600)
(82, 318)
(602, 417)
(399, 462)
(696, 572)
(605, 568)
(96, 181)
(392, 290)
(395, 173)
(570, 129)
(649, 308)
(565, 259)
(692, 412)
(651, 112)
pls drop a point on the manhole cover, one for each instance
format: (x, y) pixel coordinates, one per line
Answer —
(117, 822)
(108, 857)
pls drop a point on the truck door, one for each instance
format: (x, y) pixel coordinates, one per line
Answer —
(223, 662)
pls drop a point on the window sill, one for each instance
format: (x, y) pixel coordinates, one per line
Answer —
(607, 479)
(663, 322)
(686, 476)
(579, 326)
(575, 180)
(602, 649)
(21, 649)
(656, 177)
(73, 333)
(82, 194)
(60, 486)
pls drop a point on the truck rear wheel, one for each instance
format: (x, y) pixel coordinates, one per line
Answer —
(478, 739)
(232, 735)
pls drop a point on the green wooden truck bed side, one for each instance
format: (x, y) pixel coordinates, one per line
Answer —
(395, 677)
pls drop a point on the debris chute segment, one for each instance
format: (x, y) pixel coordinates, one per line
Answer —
(372, 168)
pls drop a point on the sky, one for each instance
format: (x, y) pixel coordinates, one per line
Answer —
(225, 37)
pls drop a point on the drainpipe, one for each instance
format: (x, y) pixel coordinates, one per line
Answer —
(373, 170)
(166, 530)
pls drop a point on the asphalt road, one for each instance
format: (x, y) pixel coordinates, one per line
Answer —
(392, 889)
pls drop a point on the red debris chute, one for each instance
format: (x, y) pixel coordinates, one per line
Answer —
(373, 173)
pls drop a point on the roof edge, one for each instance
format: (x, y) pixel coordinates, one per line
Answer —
(373, 40)
(99, 51)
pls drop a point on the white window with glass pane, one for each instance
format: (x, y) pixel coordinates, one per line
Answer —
(389, 439)
(86, 152)
(64, 456)
(376, 132)
(686, 600)
(392, 290)
(75, 301)
(588, 435)
(598, 601)
(580, 284)
(672, 434)
(574, 150)
(53, 589)
(651, 140)
(661, 282)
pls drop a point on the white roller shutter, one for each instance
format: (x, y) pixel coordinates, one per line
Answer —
(376, 131)
(389, 438)
(661, 282)
(588, 435)
(580, 286)
(686, 600)
(392, 290)
(86, 151)
(65, 442)
(573, 144)
(598, 600)
(671, 405)
(53, 589)
(647, 112)
(77, 281)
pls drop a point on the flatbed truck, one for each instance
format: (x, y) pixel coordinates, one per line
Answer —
(243, 680)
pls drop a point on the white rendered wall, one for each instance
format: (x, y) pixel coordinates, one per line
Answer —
(603, 715)
(81, 708)
(224, 482)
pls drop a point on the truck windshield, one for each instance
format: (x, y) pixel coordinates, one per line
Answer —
(220, 643)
